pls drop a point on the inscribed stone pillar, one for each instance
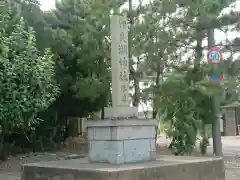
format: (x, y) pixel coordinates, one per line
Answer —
(120, 137)
(119, 61)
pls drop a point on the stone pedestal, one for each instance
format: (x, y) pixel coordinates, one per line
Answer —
(164, 168)
(124, 149)
(121, 141)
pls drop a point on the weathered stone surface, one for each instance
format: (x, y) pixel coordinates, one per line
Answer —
(67, 177)
(56, 178)
(120, 138)
(120, 122)
(121, 129)
(119, 60)
(121, 141)
(120, 112)
(165, 168)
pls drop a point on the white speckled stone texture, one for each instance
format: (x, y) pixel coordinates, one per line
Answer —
(121, 132)
(129, 142)
(120, 111)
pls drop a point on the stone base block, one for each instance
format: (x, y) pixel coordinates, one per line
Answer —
(121, 141)
(120, 112)
(165, 168)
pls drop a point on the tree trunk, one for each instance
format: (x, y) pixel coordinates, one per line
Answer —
(136, 96)
(157, 80)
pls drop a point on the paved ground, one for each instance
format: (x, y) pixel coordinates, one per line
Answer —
(10, 170)
(7, 176)
(231, 144)
(231, 152)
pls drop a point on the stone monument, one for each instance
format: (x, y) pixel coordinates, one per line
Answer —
(121, 137)
(122, 147)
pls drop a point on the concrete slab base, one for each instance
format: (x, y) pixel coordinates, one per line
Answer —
(164, 168)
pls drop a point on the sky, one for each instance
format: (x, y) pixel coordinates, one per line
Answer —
(219, 36)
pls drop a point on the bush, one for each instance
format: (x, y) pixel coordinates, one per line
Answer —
(26, 81)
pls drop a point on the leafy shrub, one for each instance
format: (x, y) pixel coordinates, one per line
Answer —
(26, 80)
(178, 109)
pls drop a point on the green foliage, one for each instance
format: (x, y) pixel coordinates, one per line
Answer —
(27, 85)
(178, 108)
(26, 79)
(203, 145)
(82, 55)
(187, 108)
(77, 32)
(33, 17)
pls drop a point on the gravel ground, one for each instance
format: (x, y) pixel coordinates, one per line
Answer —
(14, 164)
(11, 169)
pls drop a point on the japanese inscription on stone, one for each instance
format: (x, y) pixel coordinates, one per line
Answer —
(119, 60)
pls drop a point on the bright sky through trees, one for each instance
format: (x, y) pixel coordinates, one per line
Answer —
(50, 4)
